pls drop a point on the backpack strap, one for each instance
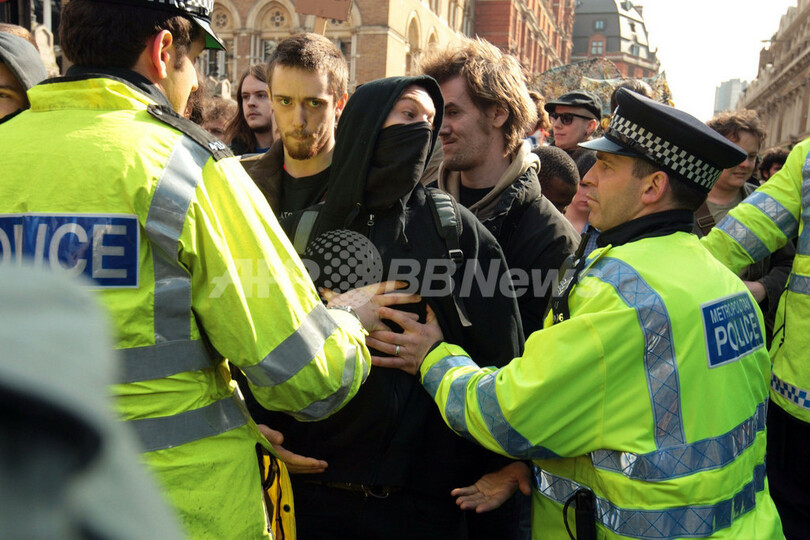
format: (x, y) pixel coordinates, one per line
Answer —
(704, 219)
(446, 217)
(303, 230)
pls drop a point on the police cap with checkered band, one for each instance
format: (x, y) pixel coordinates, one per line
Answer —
(671, 139)
(198, 11)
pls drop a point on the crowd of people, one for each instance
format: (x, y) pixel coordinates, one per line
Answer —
(444, 306)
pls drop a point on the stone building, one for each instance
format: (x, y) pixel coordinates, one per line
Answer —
(380, 38)
(781, 92)
(614, 29)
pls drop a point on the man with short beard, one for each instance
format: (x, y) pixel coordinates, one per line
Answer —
(490, 170)
(307, 76)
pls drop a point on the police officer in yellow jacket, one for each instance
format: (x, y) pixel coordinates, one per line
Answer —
(775, 213)
(102, 177)
(642, 403)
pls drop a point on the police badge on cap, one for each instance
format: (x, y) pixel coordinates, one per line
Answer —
(198, 11)
(675, 141)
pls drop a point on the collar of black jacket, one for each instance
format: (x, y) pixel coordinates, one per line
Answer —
(126, 76)
(658, 224)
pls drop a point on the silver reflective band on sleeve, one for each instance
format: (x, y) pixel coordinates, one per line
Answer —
(508, 438)
(803, 245)
(775, 211)
(798, 396)
(659, 353)
(435, 374)
(680, 521)
(164, 359)
(755, 248)
(295, 352)
(165, 432)
(799, 284)
(325, 407)
(164, 225)
(685, 459)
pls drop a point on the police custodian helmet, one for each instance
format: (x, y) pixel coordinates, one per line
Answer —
(198, 11)
(673, 140)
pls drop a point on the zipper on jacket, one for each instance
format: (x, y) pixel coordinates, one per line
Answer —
(370, 225)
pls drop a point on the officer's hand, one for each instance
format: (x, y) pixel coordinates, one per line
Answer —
(409, 348)
(494, 489)
(367, 301)
(296, 464)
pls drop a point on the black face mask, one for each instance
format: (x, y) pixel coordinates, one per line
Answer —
(397, 165)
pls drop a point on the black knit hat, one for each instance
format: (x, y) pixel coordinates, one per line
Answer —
(671, 139)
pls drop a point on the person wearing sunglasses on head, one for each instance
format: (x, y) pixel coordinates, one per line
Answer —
(574, 118)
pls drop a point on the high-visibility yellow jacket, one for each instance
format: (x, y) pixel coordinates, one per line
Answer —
(775, 213)
(652, 395)
(193, 269)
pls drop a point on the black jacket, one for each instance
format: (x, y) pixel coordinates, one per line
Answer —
(391, 433)
(535, 237)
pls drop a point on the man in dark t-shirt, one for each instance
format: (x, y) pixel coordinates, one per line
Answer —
(307, 76)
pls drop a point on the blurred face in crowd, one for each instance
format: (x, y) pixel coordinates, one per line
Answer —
(12, 94)
(256, 105)
(466, 132)
(305, 111)
(614, 194)
(568, 136)
(580, 201)
(181, 78)
(217, 127)
(735, 177)
(413, 106)
(775, 168)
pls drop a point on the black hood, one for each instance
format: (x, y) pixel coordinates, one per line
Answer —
(355, 143)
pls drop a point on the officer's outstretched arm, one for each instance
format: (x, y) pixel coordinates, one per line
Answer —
(765, 220)
(254, 301)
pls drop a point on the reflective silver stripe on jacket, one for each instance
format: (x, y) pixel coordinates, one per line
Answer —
(799, 284)
(750, 242)
(323, 408)
(164, 360)
(680, 521)
(659, 352)
(160, 433)
(798, 396)
(498, 426)
(174, 351)
(296, 352)
(803, 245)
(435, 374)
(775, 211)
(685, 459)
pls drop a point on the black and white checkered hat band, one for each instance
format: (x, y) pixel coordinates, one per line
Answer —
(662, 152)
(198, 8)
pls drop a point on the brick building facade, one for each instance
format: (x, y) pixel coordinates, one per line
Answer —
(537, 32)
(380, 39)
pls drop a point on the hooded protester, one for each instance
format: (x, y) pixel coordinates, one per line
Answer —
(389, 446)
(21, 68)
